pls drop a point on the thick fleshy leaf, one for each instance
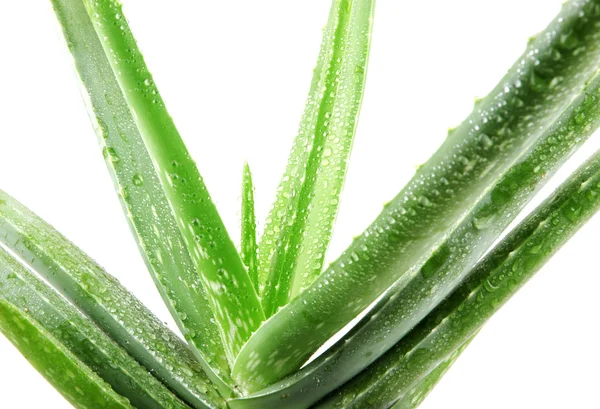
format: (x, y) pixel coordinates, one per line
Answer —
(405, 304)
(84, 340)
(248, 242)
(146, 207)
(233, 300)
(495, 279)
(102, 298)
(298, 229)
(417, 394)
(453, 186)
(76, 382)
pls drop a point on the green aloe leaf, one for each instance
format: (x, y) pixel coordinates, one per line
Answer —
(299, 226)
(417, 394)
(75, 332)
(405, 304)
(446, 192)
(102, 298)
(147, 209)
(248, 246)
(76, 382)
(495, 279)
(233, 300)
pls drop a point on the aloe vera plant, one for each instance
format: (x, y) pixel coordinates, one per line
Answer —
(425, 275)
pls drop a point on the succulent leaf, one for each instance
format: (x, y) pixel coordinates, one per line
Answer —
(103, 299)
(457, 255)
(231, 296)
(488, 286)
(73, 331)
(417, 393)
(298, 229)
(248, 242)
(407, 240)
(71, 378)
(145, 205)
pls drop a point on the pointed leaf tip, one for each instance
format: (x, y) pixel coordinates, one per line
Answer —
(248, 240)
(298, 229)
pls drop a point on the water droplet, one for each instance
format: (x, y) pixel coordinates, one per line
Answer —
(102, 127)
(482, 223)
(537, 83)
(489, 286)
(569, 41)
(580, 118)
(556, 81)
(111, 154)
(138, 179)
(425, 202)
(485, 141)
(572, 212)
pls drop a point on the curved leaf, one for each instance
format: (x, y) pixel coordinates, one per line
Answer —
(495, 279)
(235, 304)
(405, 304)
(102, 298)
(83, 339)
(417, 393)
(146, 207)
(444, 193)
(76, 382)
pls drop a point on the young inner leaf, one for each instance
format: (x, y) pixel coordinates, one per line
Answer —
(248, 242)
(298, 229)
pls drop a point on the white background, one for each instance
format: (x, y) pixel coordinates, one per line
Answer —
(235, 75)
